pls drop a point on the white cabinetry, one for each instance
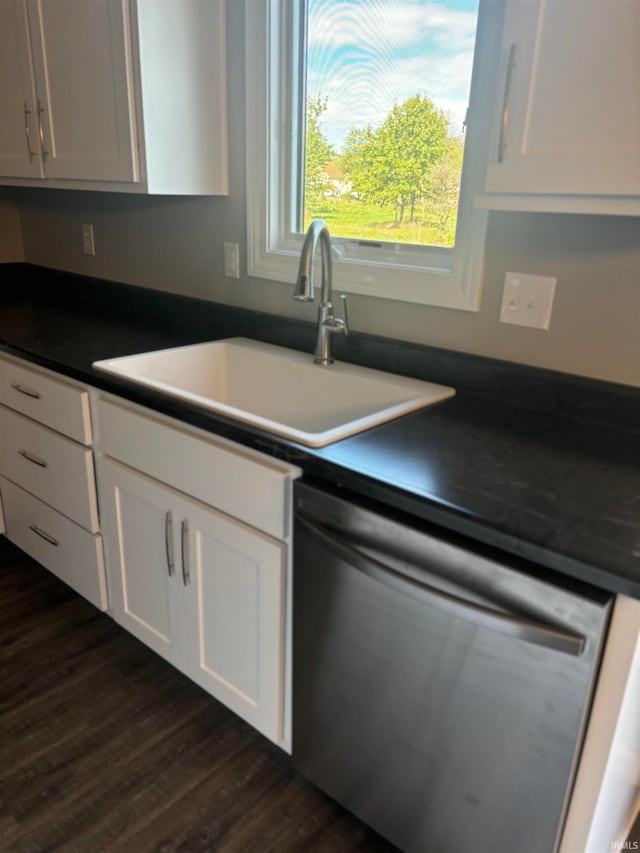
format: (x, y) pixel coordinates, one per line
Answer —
(47, 476)
(606, 794)
(567, 114)
(125, 95)
(197, 534)
(65, 91)
(18, 155)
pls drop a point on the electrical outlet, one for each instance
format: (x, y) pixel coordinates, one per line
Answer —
(232, 260)
(527, 300)
(88, 244)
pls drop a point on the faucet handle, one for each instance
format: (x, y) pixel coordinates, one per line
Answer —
(345, 314)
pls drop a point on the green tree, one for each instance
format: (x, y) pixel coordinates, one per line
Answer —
(366, 165)
(391, 165)
(443, 190)
(318, 152)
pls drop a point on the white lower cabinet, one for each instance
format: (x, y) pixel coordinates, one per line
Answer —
(48, 505)
(605, 802)
(203, 590)
(187, 540)
(206, 590)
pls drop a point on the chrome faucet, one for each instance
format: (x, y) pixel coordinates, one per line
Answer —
(328, 323)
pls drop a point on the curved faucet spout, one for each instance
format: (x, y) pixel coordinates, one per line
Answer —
(304, 290)
(328, 323)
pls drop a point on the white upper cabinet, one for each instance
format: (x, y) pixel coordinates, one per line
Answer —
(118, 95)
(19, 155)
(567, 114)
(83, 75)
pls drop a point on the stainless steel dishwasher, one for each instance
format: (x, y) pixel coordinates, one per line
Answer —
(439, 691)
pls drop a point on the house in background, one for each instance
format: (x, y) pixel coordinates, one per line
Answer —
(337, 184)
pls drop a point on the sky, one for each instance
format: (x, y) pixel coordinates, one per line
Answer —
(366, 55)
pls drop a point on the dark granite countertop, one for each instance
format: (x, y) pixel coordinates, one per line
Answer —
(540, 464)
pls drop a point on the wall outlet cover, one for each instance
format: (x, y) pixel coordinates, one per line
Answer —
(232, 260)
(527, 300)
(88, 244)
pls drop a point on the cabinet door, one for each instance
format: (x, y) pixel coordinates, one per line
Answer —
(84, 88)
(139, 518)
(234, 616)
(19, 151)
(568, 116)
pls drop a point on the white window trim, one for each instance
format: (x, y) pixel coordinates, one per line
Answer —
(453, 279)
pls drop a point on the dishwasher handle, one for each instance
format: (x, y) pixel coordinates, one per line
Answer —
(517, 627)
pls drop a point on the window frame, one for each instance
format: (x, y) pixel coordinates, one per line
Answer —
(449, 278)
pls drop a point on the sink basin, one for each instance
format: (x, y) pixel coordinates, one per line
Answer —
(276, 389)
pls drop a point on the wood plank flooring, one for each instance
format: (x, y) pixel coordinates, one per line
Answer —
(105, 748)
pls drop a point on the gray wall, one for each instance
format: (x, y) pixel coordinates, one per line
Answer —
(11, 249)
(177, 245)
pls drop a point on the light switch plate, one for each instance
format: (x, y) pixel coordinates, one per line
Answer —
(527, 300)
(88, 244)
(232, 260)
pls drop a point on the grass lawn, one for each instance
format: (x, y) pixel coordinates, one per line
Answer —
(347, 217)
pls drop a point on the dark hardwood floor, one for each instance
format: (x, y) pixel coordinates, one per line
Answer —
(105, 747)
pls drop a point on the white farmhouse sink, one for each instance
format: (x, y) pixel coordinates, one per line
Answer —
(276, 389)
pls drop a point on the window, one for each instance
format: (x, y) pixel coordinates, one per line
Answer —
(307, 64)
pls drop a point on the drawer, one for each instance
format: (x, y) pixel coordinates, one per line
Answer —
(67, 550)
(239, 482)
(59, 405)
(55, 469)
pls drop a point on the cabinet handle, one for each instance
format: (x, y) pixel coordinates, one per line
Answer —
(46, 536)
(168, 542)
(504, 118)
(184, 543)
(27, 131)
(508, 624)
(45, 153)
(35, 459)
(26, 391)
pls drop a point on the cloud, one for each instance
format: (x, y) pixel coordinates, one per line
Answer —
(388, 24)
(400, 48)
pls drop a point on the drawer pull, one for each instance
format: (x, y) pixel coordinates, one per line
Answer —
(27, 113)
(44, 151)
(186, 574)
(168, 542)
(504, 118)
(35, 459)
(43, 535)
(26, 391)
